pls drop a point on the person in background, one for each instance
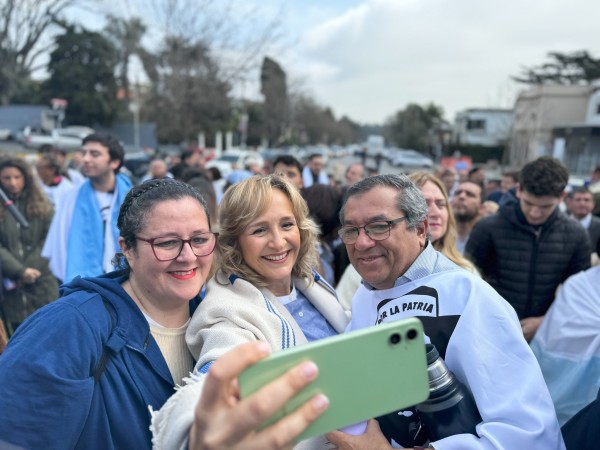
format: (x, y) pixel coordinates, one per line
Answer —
(449, 178)
(530, 247)
(442, 225)
(218, 183)
(580, 204)
(493, 190)
(385, 228)
(290, 168)
(200, 180)
(83, 372)
(265, 290)
(467, 206)
(314, 171)
(54, 183)
(510, 178)
(189, 159)
(355, 172)
(73, 173)
(477, 175)
(157, 170)
(28, 283)
(594, 186)
(83, 235)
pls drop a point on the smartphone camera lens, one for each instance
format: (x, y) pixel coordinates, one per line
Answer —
(395, 338)
(411, 334)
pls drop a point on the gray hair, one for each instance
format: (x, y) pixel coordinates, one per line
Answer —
(409, 199)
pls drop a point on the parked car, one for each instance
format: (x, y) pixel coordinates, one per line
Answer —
(411, 158)
(5, 133)
(234, 159)
(68, 138)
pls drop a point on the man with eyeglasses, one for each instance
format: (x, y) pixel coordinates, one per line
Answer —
(385, 230)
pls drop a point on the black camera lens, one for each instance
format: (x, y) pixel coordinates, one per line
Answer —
(395, 338)
(412, 334)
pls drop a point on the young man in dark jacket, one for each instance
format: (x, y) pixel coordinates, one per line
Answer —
(530, 247)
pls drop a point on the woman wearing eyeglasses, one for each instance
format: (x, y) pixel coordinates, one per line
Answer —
(85, 371)
(265, 290)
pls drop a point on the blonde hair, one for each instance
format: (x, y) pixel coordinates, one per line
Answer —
(242, 203)
(446, 245)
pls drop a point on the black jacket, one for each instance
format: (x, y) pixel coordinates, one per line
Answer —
(526, 265)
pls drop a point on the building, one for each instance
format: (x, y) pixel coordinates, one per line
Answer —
(482, 133)
(578, 144)
(537, 112)
(486, 127)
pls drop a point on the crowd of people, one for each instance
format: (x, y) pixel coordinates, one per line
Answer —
(172, 285)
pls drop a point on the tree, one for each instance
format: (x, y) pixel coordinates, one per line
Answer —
(24, 25)
(409, 128)
(312, 123)
(274, 88)
(81, 71)
(126, 35)
(235, 30)
(188, 95)
(564, 68)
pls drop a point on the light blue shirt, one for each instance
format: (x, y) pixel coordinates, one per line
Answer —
(427, 263)
(309, 319)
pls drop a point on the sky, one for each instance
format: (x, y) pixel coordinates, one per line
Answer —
(368, 59)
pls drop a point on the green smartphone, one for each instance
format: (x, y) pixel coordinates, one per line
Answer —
(364, 373)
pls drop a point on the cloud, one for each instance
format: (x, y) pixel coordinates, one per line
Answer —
(373, 58)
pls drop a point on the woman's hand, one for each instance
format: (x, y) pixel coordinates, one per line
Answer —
(223, 421)
(372, 439)
(30, 275)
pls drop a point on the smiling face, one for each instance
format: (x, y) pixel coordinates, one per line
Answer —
(169, 282)
(437, 210)
(381, 263)
(271, 242)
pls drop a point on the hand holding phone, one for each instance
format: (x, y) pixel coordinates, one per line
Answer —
(222, 421)
(364, 374)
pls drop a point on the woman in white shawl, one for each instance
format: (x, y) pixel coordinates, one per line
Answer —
(265, 289)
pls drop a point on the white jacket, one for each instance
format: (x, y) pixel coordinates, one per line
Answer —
(233, 312)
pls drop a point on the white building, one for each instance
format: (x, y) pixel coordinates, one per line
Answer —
(538, 111)
(486, 127)
(578, 144)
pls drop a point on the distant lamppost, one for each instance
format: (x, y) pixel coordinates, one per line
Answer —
(134, 107)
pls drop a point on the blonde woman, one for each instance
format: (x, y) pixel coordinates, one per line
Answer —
(442, 225)
(265, 290)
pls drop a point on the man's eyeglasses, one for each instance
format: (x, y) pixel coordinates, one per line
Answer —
(168, 248)
(378, 231)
